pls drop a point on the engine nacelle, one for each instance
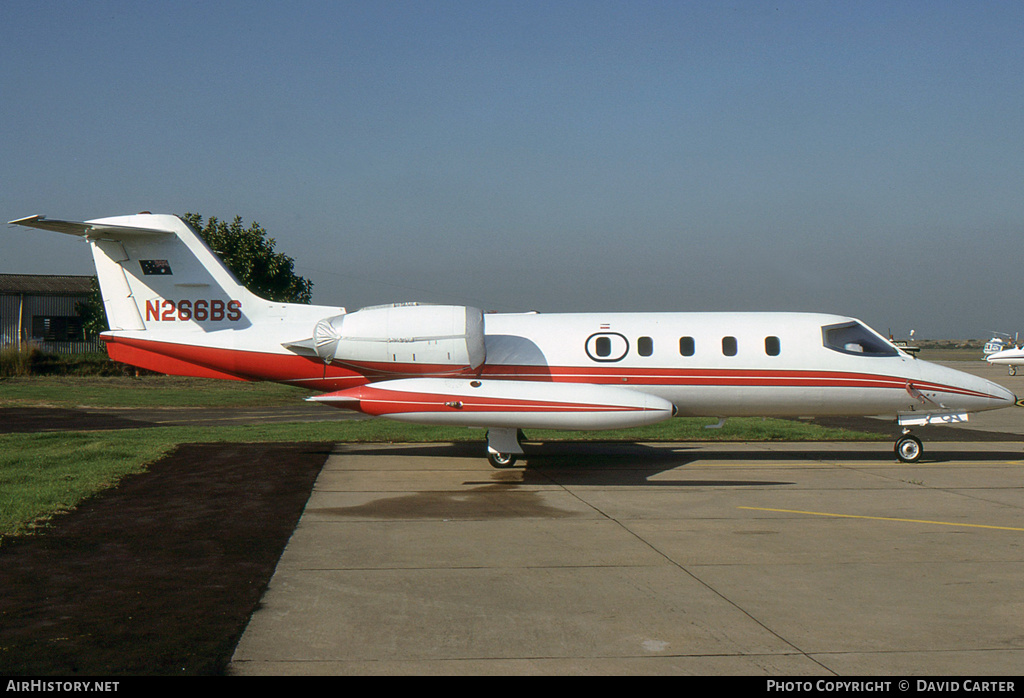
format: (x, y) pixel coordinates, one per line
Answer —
(451, 336)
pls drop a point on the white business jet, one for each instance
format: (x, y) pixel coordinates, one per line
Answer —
(1011, 358)
(173, 307)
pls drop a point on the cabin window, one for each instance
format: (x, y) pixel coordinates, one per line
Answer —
(607, 346)
(644, 346)
(772, 347)
(854, 338)
(686, 346)
(729, 346)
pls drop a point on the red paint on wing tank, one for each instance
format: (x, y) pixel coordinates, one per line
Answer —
(489, 403)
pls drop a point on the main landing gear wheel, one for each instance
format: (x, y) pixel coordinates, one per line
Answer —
(908, 448)
(501, 460)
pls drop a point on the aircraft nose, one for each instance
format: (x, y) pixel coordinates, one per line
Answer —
(969, 392)
(1001, 395)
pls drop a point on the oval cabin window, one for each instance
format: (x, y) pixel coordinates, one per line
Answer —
(607, 346)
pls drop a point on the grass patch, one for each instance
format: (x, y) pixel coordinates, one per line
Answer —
(15, 361)
(26, 360)
(144, 391)
(44, 474)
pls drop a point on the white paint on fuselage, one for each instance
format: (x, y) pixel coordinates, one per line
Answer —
(562, 340)
(553, 347)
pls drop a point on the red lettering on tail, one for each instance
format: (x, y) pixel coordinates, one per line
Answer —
(214, 310)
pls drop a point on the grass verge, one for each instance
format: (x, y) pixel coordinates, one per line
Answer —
(144, 391)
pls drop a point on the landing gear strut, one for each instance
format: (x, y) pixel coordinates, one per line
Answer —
(908, 447)
(503, 445)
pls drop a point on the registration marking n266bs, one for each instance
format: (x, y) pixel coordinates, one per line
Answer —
(199, 310)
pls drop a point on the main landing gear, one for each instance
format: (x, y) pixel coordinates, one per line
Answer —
(908, 447)
(503, 447)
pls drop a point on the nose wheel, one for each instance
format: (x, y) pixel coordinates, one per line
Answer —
(908, 448)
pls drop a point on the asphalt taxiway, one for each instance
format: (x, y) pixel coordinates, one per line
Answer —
(697, 558)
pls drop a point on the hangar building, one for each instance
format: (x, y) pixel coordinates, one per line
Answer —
(40, 310)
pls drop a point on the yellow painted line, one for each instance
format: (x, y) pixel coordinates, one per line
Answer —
(772, 464)
(829, 462)
(882, 518)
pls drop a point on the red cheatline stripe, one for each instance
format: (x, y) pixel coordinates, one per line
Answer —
(176, 358)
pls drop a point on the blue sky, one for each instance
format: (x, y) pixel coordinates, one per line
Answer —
(863, 158)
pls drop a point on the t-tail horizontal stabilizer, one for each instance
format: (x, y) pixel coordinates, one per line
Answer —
(88, 229)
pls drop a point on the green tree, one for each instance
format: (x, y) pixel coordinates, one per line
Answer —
(94, 318)
(249, 254)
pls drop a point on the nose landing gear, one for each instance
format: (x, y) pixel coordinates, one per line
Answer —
(908, 447)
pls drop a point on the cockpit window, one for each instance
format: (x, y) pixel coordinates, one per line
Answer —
(854, 338)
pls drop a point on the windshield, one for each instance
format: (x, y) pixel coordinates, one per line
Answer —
(854, 338)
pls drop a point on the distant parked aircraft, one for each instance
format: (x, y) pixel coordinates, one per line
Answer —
(999, 342)
(1012, 358)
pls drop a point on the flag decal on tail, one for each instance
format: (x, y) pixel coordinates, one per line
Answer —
(155, 267)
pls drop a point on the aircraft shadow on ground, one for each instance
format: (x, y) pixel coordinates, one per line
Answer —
(573, 463)
(635, 464)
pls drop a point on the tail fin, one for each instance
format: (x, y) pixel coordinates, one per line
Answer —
(155, 272)
(173, 307)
